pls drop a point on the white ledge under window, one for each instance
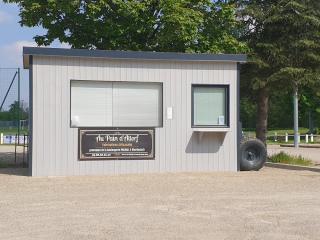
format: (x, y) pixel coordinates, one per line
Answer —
(212, 129)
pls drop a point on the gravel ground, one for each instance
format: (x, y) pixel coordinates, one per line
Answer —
(310, 153)
(269, 204)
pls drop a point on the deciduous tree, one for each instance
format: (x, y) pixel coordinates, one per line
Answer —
(153, 25)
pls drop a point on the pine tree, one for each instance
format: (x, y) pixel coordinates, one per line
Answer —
(284, 38)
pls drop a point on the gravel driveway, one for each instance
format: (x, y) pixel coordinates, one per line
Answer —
(269, 204)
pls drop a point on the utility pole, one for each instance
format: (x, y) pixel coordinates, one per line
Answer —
(296, 118)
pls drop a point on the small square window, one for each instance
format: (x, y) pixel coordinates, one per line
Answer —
(210, 106)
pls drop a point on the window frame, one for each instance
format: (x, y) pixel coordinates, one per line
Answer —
(226, 87)
(111, 127)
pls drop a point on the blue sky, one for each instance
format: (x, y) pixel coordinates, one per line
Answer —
(12, 38)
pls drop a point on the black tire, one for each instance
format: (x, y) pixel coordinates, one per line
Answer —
(253, 155)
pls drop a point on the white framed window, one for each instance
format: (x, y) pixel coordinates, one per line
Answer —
(210, 105)
(116, 104)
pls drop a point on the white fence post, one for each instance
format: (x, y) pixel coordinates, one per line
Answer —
(286, 138)
(299, 137)
(311, 138)
(1, 138)
(307, 138)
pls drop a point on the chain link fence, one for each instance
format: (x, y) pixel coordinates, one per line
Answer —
(13, 119)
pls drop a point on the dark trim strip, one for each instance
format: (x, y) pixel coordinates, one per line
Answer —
(238, 123)
(27, 51)
(30, 115)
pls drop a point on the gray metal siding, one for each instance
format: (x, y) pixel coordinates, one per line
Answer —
(55, 144)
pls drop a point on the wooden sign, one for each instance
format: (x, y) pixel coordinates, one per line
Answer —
(116, 143)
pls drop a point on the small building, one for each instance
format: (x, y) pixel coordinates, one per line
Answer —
(95, 112)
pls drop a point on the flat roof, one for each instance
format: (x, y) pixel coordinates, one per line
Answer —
(129, 55)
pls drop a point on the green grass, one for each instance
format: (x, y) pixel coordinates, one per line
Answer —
(13, 131)
(278, 142)
(278, 131)
(271, 142)
(289, 131)
(281, 133)
(289, 159)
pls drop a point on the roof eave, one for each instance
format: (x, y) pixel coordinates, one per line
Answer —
(130, 55)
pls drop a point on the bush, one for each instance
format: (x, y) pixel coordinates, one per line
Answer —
(288, 159)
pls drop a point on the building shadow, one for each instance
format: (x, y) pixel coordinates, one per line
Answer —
(206, 143)
(15, 171)
(11, 164)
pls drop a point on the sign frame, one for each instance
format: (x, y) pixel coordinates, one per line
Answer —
(82, 130)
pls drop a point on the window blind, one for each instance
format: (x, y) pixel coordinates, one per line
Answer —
(117, 104)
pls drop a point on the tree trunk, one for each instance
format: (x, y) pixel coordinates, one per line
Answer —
(311, 122)
(262, 114)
